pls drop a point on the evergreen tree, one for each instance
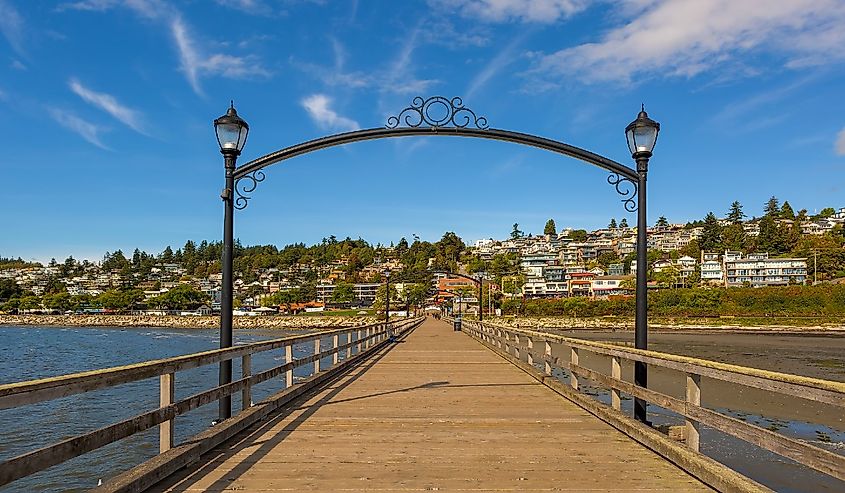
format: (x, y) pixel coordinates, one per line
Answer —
(167, 255)
(623, 223)
(550, 228)
(516, 233)
(612, 224)
(662, 222)
(786, 211)
(772, 207)
(734, 237)
(735, 215)
(711, 237)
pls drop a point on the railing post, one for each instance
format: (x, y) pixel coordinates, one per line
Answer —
(530, 351)
(499, 338)
(359, 341)
(246, 371)
(507, 342)
(548, 358)
(573, 362)
(317, 352)
(516, 346)
(367, 341)
(289, 359)
(167, 391)
(616, 374)
(335, 356)
(349, 344)
(693, 398)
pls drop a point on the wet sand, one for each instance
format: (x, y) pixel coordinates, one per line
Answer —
(813, 356)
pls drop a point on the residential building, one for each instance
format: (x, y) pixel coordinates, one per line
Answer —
(760, 270)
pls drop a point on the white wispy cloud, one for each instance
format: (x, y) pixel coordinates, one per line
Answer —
(496, 65)
(397, 77)
(542, 11)
(249, 6)
(108, 103)
(317, 106)
(17, 65)
(840, 143)
(83, 128)
(684, 38)
(195, 62)
(12, 26)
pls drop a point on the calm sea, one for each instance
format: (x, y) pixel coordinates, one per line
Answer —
(31, 352)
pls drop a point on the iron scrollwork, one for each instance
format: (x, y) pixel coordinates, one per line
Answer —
(438, 112)
(245, 186)
(627, 188)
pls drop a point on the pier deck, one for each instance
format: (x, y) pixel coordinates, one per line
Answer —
(435, 411)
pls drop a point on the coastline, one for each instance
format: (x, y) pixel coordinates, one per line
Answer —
(187, 322)
(675, 325)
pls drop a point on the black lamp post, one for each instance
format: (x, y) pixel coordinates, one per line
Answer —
(642, 135)
(231, 133)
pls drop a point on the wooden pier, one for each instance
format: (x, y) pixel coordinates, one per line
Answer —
(436, 411)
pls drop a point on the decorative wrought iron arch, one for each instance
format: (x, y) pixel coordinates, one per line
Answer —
(436, 115)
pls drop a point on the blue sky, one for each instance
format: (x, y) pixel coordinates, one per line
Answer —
(108, 107)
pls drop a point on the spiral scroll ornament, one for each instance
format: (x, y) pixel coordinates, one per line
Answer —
(245, 186)
(627, 189)
(437, 112)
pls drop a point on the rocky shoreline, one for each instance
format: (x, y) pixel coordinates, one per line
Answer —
(627, 324)
(177, 322)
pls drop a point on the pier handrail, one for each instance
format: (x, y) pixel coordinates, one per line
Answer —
(521, 344)
(360, 339)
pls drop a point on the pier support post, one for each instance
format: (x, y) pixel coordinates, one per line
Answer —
(167, 394)
(616, 373)
(289, 359)
(693, 398)
(246, 372)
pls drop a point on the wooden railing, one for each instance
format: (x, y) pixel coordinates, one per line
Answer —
(530, 346)
(356, 340)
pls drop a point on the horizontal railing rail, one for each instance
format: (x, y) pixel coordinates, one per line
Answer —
(358, 339)
(531, 345)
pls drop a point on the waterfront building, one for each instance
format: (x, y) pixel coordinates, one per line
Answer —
(711, 268)
(760, 270)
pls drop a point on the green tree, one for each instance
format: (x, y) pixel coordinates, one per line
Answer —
(827, 212)
(516, 233)
(735, 214)
(550, 228)
(181, 297)
(734, 237)
(772, 207)
(786, 211)
(662, 222)
(612, 224)
(343, 292)
(416, 294)
(623, 223)
(9, 289)
(711, 236)
(578, 235)
(59, 301)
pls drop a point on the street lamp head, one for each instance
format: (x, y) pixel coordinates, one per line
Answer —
(231, 131)
(642, 135)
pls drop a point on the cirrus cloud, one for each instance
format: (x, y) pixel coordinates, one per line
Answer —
(317, 106)
(688, 37)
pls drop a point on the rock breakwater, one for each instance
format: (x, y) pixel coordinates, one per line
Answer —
(187, 322)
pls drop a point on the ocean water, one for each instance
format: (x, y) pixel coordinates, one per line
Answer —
(28, 353)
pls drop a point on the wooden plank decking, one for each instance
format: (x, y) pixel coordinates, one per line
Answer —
(436, 411)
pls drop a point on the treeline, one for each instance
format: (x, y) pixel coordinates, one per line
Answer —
(181, 297)
(820, 300)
